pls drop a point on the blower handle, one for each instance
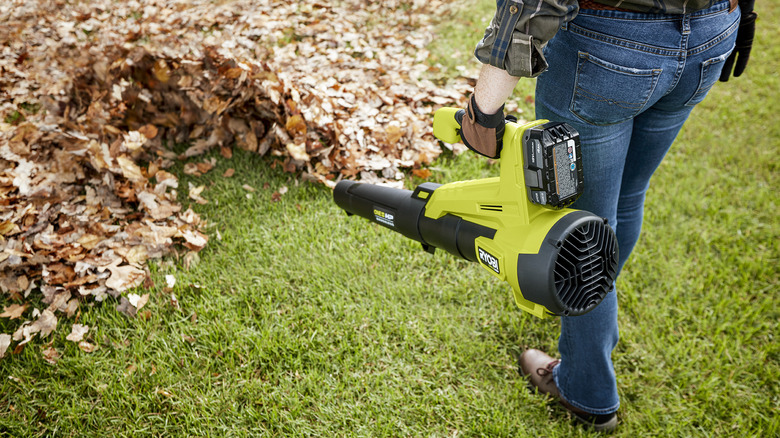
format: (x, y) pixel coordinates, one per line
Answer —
(445, 127)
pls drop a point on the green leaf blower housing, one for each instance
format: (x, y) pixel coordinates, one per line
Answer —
(558, 260)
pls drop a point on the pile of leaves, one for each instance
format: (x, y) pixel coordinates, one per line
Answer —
(94, 94)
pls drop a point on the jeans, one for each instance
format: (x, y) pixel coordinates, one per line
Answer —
(626, 82)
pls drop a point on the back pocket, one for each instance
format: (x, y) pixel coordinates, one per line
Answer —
(710, 72)
(607, 93)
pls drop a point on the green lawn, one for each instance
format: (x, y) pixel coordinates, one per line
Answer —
(301, 321)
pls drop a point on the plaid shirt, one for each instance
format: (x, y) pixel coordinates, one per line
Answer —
(521, 28)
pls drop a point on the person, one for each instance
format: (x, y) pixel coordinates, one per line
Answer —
(626, 75)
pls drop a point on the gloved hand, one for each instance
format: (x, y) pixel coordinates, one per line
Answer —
(745, 33)
(482, 133)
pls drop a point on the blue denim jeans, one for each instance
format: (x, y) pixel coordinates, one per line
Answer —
(627, 82)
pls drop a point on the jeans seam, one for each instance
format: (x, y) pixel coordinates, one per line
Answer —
(597, 36)
(662, 51)
(715, 41)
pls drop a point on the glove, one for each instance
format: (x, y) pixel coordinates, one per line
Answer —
(482, 133)
(747, 29)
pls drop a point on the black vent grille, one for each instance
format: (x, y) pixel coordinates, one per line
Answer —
(586, 267)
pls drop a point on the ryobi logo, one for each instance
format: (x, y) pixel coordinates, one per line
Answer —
(488, 260)
(384, 217)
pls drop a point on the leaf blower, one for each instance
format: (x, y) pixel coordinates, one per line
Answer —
(559, 261)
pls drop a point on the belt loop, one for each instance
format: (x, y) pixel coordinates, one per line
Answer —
(686, 24)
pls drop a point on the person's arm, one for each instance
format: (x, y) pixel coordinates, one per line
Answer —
(511, 49)
(493, 88)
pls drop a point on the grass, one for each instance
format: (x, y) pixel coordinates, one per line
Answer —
(302, 321)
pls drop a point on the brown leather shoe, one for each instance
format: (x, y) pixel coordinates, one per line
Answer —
(538, 367)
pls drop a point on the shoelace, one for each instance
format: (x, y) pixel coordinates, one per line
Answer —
(548, 369)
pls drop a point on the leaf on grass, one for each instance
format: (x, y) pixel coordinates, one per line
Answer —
(51, 355)
(138, 301)
(423, 173)
(77, 332)
(175, 302)
(87, 347)
(5, 342)
(45, 324)
(194, 194)
(194, 240)
(14, 311)
(125, 307)
(298, 151)
(124, 277)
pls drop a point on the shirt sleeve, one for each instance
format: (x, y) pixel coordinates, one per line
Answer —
(519, 31)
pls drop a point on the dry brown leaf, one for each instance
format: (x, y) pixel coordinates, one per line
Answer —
(138, 301)
(5, 342)
(51, 355)
(149, 131)
(77, 332)
(194, 240)
(44, 325)
(194, 194)
(87, 347)
(124, 277)
(14, 311)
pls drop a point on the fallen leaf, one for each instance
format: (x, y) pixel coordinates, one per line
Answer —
(138, 301)
(130, 170)
(133, 140)
(5, 342)
(149, 131)
(124, 277)
(175, 302)
(77, 332)
(44, 325)
(423, 173)
(194, 194)
(295, 125)
(14, 311)
(87, 347)
(194, 240)
(228, 173)
(51, 355)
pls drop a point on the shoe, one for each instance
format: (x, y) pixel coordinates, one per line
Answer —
(538, 367)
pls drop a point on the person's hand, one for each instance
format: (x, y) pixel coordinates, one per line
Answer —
(747, 29)
(482, 133)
